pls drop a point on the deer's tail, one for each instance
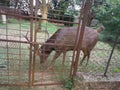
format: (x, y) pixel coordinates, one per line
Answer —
(99, 29)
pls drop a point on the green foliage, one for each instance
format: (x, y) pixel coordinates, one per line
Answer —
(63, 4)
(4, 2)
(69, 83)
(109, 16)
(113, 1)
(117, 70)
(61, 12)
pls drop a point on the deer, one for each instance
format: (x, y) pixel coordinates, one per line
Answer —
(67, 36)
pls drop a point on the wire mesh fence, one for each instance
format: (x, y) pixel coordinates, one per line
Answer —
(98, 63)
(14, 52)
(20, 55)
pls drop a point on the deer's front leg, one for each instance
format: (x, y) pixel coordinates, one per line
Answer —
(57, 54)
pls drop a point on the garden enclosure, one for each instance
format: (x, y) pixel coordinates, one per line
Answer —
(20, 63)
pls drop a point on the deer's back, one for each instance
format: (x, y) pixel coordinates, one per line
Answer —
(67, 36)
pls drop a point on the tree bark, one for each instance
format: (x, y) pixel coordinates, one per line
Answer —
(3, 19)
(44, 10)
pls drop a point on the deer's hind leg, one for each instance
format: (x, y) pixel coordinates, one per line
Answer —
(88, 56)
(84, 56)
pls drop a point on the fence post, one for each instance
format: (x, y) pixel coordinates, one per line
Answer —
(114, 44)
(80, 36)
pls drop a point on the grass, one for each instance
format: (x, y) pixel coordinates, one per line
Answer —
(97, 63)
(117, 70)
(14, 24)
(17, 63)
(50, 27)
(2, 25)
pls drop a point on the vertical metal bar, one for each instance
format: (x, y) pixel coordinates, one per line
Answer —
(31, 39)
(35, 45)
(7, 49)
(87, 6)
(114, 44)
(77, 36)
(19, 50)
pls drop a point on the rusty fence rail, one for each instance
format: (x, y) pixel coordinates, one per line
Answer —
(20, 65)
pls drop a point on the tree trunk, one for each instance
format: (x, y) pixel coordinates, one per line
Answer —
(44, 13)
(3, 19)
(44, 10)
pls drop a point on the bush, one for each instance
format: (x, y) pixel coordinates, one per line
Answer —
(109, 16)
(68, 18)
(60, 15)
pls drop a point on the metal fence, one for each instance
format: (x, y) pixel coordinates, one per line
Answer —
(20, 38)
(14, 53)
